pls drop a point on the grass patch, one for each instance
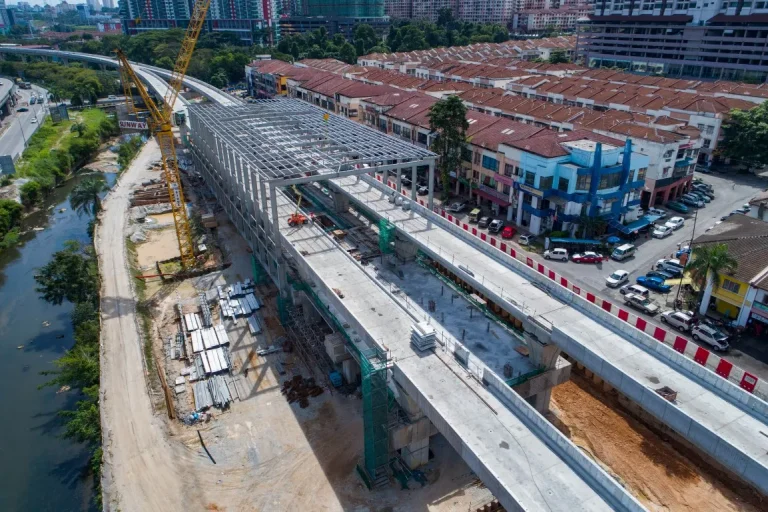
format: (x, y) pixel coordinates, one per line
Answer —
(170, 267)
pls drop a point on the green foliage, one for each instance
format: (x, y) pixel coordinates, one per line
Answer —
(10, 218)
(448, 118)
(558, 57)
(71, 275)
(31, 193)
(746, 136)
(78, 368)
(710, 262)
(66, 82)
(348, 54)
(128, 151)
(85, 198)
(408, 35)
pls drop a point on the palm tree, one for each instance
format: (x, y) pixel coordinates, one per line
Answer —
(86, 196)
(708, 264)
(79, 128)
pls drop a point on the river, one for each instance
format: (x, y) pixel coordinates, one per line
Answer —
(41, 471)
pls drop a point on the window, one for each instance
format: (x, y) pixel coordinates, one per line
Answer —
(707, 143)
(730, 286)
(505, 189)
(396, 129)
(407, 133)
(583, 182)
(477, 158)
(490, 163)
(562, 184)
(545, 182)
(530, 178)
(422, 138)
(509, 170)
(466, 155)
(641, 174)
(609, 181)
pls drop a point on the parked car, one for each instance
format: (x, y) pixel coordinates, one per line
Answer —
(458, 206)
(617, 278)
(662, 231)
(678, 320)
(677, 207)
(556, 254)
(672, 266)
(660, 274)
(526, 239)
(701, 195)
(657, 212)
(683, 250)
(711, 336)
(22, 109)
(406, 181)
(111, 97)
(495, 226)
(654, 283)
(483, 222)
(508, 232)
(690, 201)
(635, 289)
(34, 120)
(422, 190)
(475, 214)
(587, 257)
(745, 209)
(644, 304)
(675, 223)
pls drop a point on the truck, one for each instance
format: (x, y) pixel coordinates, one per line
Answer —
(644, 304)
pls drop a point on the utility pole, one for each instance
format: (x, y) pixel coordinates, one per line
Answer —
(690, 248)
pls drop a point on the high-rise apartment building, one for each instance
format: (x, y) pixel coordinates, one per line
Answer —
(708, 39)
(345, 8)
(249, 19)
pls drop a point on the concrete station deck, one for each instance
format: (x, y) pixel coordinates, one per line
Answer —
(702, 404)
(518, 467)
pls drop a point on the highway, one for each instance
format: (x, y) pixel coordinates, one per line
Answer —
(20, 126)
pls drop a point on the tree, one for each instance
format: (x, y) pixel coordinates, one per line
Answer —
(348, 54)
(448, 119)
(591, 225)
(745, 136)
(85, 198)
(31, 193)
(707, 266)
(71, 275)
(78, 128)
(365, 38)
(219, 79)
(411, 39)
(558, 57)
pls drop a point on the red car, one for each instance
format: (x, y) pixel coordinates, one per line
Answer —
(587, 257)
(508, 232)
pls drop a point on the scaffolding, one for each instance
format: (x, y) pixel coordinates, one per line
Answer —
(373, 366)
(308, 342)
(386, 236)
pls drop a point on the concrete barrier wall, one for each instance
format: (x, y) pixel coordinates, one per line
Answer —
(745, 383)
(569, 452)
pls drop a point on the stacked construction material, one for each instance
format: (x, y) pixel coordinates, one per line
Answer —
(253, 325)
(203, 398)
(226, 311)
(220, 394)
(192, 321)
(252, 301)
(335, 347)
(204, 339)
(205, 310)
(423, 336)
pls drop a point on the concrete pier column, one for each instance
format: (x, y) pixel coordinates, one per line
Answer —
(414, 180)
(431, 185)
(340, 202)
(399, 180)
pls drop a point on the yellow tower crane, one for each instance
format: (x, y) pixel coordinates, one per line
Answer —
(160, 124)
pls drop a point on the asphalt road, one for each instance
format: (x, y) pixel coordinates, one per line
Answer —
(13, 138)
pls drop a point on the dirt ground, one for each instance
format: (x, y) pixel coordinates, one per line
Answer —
(161, 244)
(650, 468)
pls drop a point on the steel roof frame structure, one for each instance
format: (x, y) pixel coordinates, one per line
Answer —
(289, 141)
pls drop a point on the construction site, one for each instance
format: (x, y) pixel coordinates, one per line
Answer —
(311, 336)
(297, 391)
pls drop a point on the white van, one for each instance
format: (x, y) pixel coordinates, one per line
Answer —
(623, 252)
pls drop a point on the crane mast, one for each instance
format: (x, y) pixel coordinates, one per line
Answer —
(160, 124)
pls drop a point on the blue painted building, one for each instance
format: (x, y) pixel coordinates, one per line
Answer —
(563, 176)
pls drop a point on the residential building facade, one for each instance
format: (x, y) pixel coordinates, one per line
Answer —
(717, 39)
(251, 21)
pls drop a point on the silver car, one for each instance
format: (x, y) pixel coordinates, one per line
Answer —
(711, 336)
(678, 320)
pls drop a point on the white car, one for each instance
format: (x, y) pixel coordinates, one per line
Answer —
(712, 337)
(526, 239)
(635, 289)
(656, 212)
(675, 223)
(617, 278)
(662, 231)
(556, 254)
(677, 319)
(34, 120)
